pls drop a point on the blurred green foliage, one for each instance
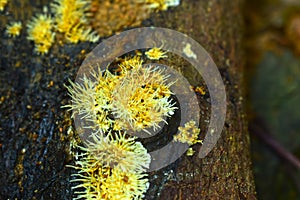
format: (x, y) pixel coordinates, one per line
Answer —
(275, 97)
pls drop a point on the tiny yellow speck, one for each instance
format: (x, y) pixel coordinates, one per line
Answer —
(18, 64)
(2, 99)
(51, 83)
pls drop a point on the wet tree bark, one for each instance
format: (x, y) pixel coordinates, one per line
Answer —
(35, 131)
(226, 172)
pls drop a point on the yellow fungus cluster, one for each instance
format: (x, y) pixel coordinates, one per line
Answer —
(122, 99)
(137, 97)
(188, 134)
(156, 54)
(112, 168)
(14, 29)
(141, 99)
(40, 30)
(2, 4)
(71, 20)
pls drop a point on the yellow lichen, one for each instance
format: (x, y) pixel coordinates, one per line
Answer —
(188, 134)
(155, 54)
(2, 4)
(40, 30)
(14, 29)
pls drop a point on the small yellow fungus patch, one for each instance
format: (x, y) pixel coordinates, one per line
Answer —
(155, 54)
(71, 19)
(190, 151)
(40, 31)
(188, 134)
(14, 29)
(199, 89)
(2, 4)
(160, 4)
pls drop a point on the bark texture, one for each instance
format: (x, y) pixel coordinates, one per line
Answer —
(226, 172)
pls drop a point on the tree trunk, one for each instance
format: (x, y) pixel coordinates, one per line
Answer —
(226, 172)
(34, 130)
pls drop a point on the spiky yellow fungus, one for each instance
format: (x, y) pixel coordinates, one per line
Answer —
(98, 182)
(14, 29)
(90, 103)
(79, 33)
(111, 167)
(141, 99)
(91, 100)
(118, 150)
(137, 98)
(124, 98)
(155, 54)
(188, 134)
(199, 89)
(40, 30)
(2, 4)
(131, 62)
(69, 13)
(71, 19)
